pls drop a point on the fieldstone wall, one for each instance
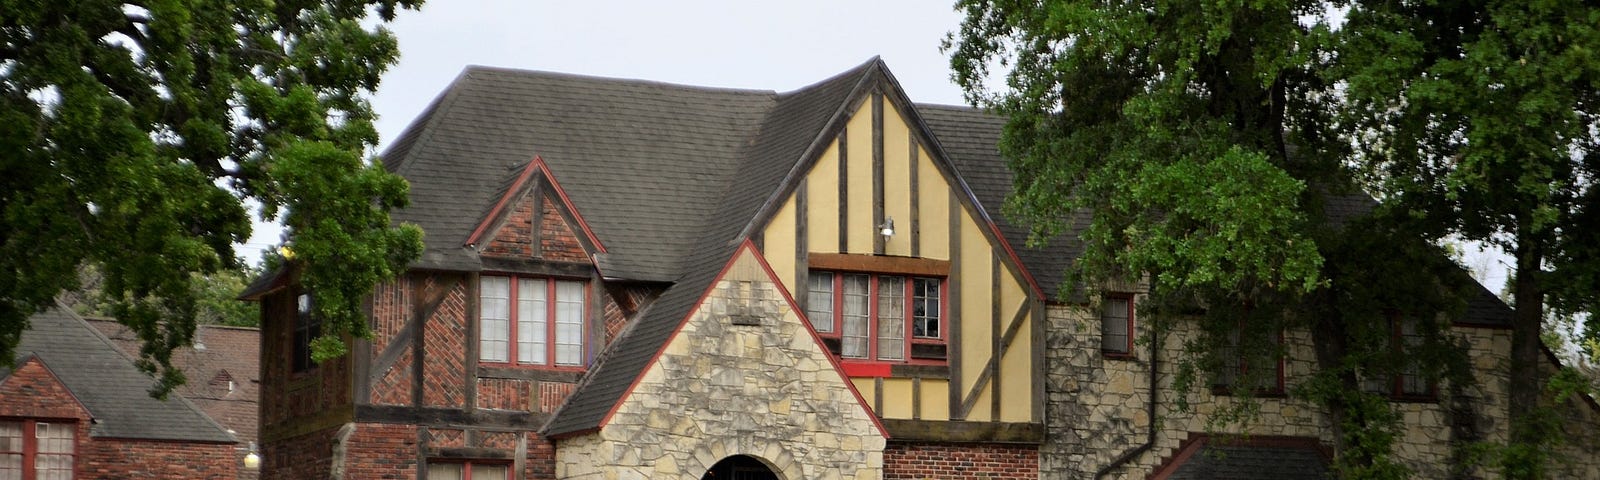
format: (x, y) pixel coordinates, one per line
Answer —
(1096, 407)
(743, 376)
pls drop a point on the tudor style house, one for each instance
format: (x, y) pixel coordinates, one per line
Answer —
(630, 279)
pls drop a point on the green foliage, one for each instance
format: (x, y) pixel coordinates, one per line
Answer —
(1169, 122)
(216, 295)
(1211, 142)
(1482, 120)
(132, 136)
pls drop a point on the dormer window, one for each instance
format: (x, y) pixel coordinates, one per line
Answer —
(539, 322)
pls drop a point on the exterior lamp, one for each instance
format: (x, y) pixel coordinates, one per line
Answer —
(252, 460)
(887, 229)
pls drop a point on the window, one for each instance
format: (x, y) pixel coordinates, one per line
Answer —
(891, 318)
(307, 327)
(1116, 325)
(1257, 362)
(36, 450)
(1409, 380)
(469, 471)
(540, 322)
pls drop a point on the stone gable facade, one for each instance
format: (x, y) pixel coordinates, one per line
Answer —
(744, 376)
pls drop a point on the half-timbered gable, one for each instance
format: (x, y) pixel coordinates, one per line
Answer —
(630, 279)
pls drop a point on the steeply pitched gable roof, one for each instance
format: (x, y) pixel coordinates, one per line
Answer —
(602, 137)
(108, 384)
(788, 130)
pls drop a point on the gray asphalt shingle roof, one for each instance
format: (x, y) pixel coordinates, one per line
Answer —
(788, 130)
(600, 138)
(108, 384)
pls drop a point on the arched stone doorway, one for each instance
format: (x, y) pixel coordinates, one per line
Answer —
(740, 467)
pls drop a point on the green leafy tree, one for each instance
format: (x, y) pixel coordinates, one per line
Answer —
(133, 135)
(216, 297)
(1482, 117)
(1204, 137)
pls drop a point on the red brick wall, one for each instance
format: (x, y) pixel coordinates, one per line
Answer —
(392, 305)
(385, 451)
(541, 459)
(964, 460)
(121, 458)
(444, 368)
(32, 391)
(515, 237)
(287, 396)
(558, 240)
(379, 451)
(300, 457)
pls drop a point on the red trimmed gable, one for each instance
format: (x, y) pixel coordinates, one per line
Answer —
(33, 391)
(766, 269)
(534, 219)
(556, 239)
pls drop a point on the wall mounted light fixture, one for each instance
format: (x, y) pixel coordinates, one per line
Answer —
(887, 229)
(252, 460)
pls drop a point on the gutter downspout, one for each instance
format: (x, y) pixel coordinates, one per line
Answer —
(1150, 437)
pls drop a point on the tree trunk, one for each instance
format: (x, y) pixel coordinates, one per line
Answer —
(1526, 381)
(1332, 345)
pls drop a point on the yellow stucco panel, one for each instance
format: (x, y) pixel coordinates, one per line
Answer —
(933, 208)
(897, 180)
(896, 398)
(935, 399)
(865, 387)
(920, 199)
(977, 303)
(822, 202)
(859, 165)
(778, 244)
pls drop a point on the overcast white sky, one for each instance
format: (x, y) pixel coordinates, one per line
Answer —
(764, 45)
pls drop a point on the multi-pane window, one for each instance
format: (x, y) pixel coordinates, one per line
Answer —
(539, 322)
(1257, 362)
(874, 316)
(307, 327)
(469, 471)
(1409, 380)
(1116, 325)
(35, 450)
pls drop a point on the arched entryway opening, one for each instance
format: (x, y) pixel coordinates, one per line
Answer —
(740, 467)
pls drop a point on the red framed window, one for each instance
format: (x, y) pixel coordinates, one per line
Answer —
(37, 450)
(469, 470)
(531, 321)
(1409, 382)
(1116, 325)
(307, 327)
(1239, 360)
(878, 317)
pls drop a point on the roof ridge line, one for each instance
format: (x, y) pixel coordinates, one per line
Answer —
(618, 80)
(818, 141)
